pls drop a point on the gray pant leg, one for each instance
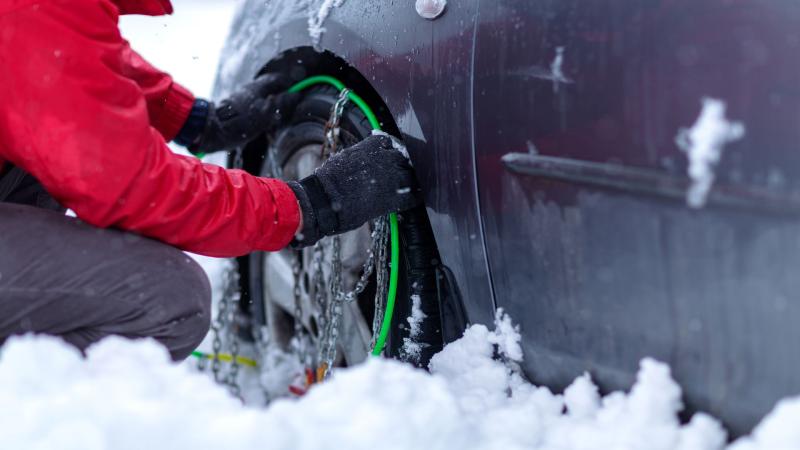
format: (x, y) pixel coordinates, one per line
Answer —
(18, 186)
(63, 277)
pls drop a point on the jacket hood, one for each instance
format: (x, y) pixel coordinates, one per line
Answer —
(146, 7)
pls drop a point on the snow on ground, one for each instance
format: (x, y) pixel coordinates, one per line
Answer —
(128, 395)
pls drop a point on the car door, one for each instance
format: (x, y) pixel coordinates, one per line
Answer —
(591, 244)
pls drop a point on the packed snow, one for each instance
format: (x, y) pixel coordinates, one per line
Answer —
(128, 395)
(703, 144)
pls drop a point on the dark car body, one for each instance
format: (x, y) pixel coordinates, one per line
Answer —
(584, 237)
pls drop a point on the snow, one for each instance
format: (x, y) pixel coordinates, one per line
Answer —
(396, 143)
(582, 398)
(703, 144)
(285, 368)
(554, 72)
(128, 395)
(557, 69)
(412, 349)
(507, 337)
(778, 430)
(317, 19)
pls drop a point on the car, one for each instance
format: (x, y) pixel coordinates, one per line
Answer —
(620, 177)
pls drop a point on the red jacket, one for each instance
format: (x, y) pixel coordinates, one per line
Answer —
(88, 117)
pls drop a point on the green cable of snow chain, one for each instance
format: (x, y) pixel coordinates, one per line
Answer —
(355, 98)
(380, 343)
(387, 317)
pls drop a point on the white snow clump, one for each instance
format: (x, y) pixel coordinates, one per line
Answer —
(703, 144)
(316, 19)
(127, 395)
(412, 348)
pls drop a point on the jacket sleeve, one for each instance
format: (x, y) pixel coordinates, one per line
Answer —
(73, 119)
(168, 103)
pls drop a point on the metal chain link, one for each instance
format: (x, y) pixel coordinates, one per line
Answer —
(333, 311)
(327, 347)
(233, 373)
(299, 331)
(331, 144)
(261, 346)
(217, 329)
(329, 295)
(230, 298)
(224, 329)
(319, 275)
(369, 264)
(380, 241)
(377, 252)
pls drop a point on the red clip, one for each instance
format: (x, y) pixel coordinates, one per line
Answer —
(298, 391)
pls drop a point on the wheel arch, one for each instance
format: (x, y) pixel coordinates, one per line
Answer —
(422, 272)
(401, 78)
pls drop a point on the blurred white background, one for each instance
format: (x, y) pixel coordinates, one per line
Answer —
(186, 44)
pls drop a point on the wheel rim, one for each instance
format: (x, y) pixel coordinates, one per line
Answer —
(355, 335)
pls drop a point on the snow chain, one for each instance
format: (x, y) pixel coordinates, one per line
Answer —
(224, 330)
(329, 295)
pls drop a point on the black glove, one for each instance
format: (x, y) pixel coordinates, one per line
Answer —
(260, 106)
(365, 181)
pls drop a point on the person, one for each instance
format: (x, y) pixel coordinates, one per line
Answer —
(83, 125)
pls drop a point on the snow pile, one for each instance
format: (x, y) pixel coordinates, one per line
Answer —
(778, 430)
(507, 412)
(127, 395)
(703, 144)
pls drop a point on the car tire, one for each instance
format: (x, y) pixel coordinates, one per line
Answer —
(419, 268)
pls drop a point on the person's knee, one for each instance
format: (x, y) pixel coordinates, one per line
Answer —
(180, 300)
(187, 334)
(194, 320)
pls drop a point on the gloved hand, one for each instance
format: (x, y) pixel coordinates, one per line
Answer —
(260, 106)
(357, 184)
